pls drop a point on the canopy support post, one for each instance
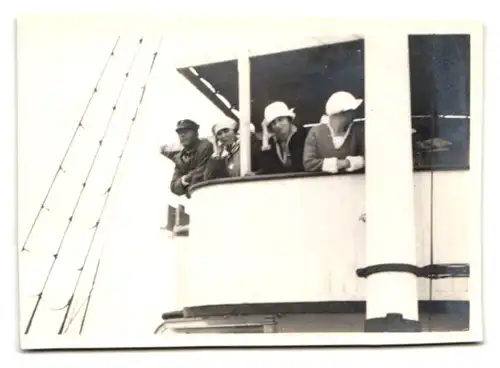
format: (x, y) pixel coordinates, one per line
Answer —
(392, 292)
(244, 93)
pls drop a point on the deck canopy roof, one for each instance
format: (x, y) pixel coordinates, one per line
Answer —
(304, 71)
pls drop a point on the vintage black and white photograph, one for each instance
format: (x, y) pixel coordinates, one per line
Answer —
(181, 184)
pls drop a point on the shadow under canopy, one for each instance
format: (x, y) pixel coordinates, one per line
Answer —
(305, 78)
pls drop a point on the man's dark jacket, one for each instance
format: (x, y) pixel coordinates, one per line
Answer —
(192, 162)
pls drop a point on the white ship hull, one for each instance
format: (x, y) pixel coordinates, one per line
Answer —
(309, 257)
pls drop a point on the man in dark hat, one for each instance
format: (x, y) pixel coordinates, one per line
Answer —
(191, 161)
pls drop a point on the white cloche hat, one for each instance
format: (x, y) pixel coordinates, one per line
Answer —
(226, 124)
(229, 124)
(276, 110)
(340, 102)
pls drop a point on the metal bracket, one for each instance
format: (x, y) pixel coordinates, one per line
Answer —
(432, 271)
(227, 324)
(446, 270)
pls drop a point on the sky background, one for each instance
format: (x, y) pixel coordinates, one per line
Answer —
(57, 74)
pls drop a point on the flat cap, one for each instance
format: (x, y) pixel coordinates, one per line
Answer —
(186, 124)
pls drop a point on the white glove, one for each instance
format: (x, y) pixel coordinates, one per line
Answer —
(356, 163)
(330, 165)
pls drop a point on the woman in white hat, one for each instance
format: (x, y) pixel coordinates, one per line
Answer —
(225, 160)
(282, 141)
(336, 144)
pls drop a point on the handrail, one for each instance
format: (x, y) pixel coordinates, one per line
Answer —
(297, 175)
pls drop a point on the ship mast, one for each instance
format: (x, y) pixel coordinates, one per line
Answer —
(244, 92)
(392, 290)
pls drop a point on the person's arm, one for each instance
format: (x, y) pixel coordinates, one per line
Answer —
(215, 169)
(216, 165)
(312, 161)
(178, 184)
(169, 155)
(202, 156)
(266, 136)
(170, 151)
(357, 161)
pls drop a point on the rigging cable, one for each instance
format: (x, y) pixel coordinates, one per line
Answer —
(77, 129)
(96, 226)
(84, 184)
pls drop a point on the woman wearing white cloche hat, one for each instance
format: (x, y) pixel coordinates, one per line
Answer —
(282, 141)
(336, 144)
(225, 160)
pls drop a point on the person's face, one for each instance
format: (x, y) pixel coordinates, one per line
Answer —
(342, 119)
(281, 126)
(226, 136)
(187, 136)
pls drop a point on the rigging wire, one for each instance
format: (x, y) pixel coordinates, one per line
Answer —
(84, 184)
(88, 299)
(96, 226)
(77, 129)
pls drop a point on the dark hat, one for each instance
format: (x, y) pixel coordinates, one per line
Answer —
(186, 124)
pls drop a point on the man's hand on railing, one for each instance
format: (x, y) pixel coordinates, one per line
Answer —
(186, 180)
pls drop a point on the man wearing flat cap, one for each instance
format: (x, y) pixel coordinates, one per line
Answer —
(192, 159)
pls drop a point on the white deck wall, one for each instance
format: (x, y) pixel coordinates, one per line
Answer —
(311, 252)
